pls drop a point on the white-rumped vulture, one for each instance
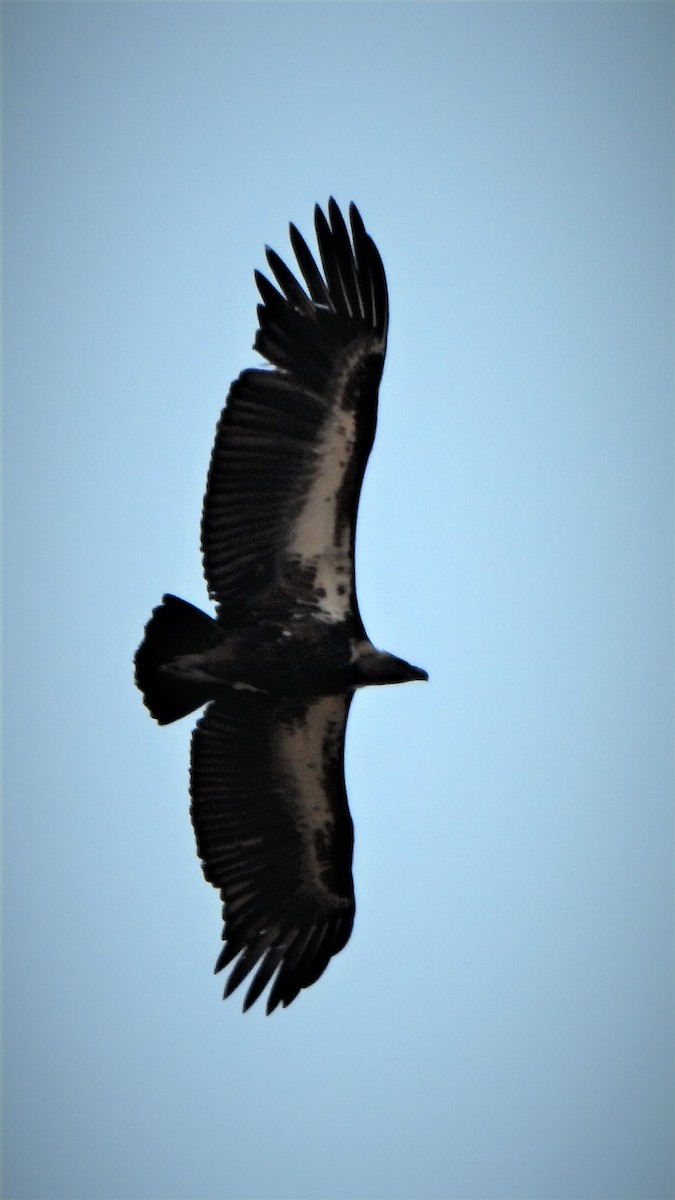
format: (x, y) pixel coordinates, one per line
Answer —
(279, 664)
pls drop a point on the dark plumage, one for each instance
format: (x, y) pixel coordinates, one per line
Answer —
(279, 664)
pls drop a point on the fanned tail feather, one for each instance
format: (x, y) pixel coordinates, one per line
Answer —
(174, 628)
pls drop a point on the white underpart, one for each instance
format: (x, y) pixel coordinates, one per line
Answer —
(317, 541)
(303, 747)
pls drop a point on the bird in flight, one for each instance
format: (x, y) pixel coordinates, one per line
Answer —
(278, 665)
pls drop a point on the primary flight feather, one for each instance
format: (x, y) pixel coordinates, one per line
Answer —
(279, 664)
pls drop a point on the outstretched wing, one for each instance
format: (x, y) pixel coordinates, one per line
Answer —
(274, 834)
(292, 443)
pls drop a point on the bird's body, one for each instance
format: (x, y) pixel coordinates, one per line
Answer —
(279, 664)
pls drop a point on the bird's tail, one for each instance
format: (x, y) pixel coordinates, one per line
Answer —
(174, 628)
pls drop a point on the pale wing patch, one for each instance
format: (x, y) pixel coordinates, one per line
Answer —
(320, 542)
(309, 748)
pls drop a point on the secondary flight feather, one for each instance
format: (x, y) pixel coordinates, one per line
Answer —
(279, 664)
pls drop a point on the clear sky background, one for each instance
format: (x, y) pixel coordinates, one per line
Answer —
(499, 1026)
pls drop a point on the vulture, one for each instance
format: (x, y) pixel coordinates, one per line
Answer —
(278, 665)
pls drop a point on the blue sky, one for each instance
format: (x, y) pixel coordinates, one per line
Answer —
(500, 1025)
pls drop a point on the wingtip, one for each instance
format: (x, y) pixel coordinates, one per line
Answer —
(320, 223)
(356, 221)
(261, 281)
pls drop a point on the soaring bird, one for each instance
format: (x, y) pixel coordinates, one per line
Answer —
(279, 663)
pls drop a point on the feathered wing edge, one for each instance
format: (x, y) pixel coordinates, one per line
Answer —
(303, 333)
(275, 836)
(327, 345)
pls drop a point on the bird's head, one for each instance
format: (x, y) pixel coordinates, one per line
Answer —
(378, 666)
